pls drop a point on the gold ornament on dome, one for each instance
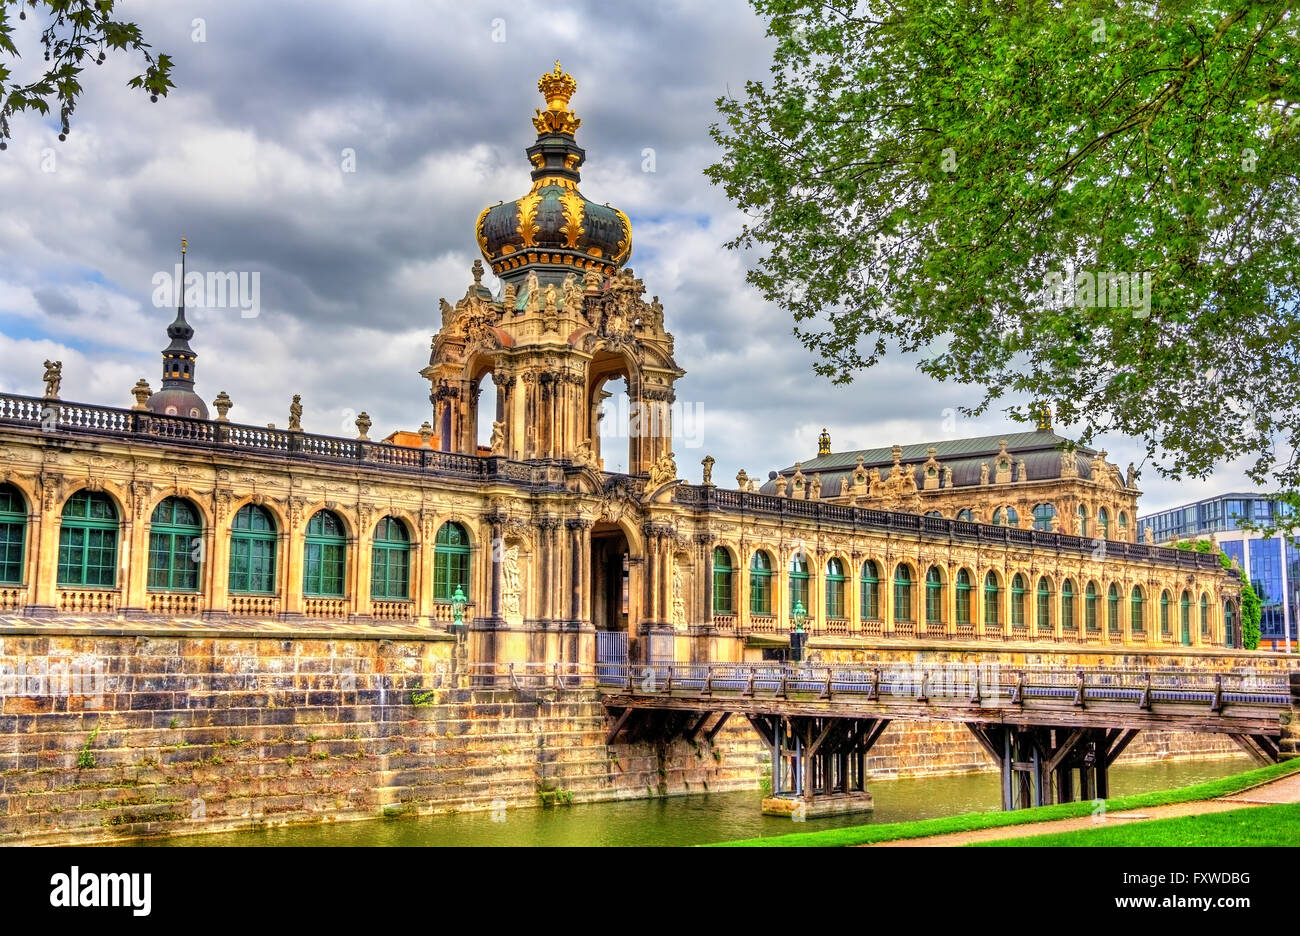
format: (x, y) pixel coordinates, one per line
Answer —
(527, 229)
(572, 230)
(624, 245)
(557, 86)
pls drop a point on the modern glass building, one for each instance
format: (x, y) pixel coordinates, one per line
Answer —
(1276, 580)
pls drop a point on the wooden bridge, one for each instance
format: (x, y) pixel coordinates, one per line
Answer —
(1046, 727)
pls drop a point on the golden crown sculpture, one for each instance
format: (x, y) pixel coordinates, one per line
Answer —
(557, 86)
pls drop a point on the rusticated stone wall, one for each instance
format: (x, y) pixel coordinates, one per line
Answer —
(141, 729)
(156, 732)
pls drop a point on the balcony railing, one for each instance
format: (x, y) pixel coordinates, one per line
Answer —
(709, 498)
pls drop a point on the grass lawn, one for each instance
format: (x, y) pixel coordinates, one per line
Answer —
(1256, 825)
(885, 832)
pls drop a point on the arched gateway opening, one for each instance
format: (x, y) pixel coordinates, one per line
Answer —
(611, 592)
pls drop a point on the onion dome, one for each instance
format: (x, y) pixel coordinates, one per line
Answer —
(554, 230)
(177, 396)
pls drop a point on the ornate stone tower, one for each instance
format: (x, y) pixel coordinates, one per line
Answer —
(567, 319)
(177, 396)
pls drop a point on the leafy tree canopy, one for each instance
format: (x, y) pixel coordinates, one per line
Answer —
(1092, 204)
(75, 32)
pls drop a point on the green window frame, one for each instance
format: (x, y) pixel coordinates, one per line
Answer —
(1006, 516)
(1090, 607)
(88, 538)
(1229, 625)
(1185, 617)
(966, 515)
(1205, 615)
(1043, 514)
(13, 535)
(834, 589)
(799, 583)
(1018, 600)
(450, 561)
(175, 535)
(991, 590)
(1136, 623)
(1165, 625)
(962, 595)
(1112, 608)
(870, 591)
(324, 560)
(254, 542)
(1083, 520)
(903, 594)
(1043, 611)
(1067, 605)
(390, 561)
(1103, 521)
(933, 595)
(760, 583)
(724, 599)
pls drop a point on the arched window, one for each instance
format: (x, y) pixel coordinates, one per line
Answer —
(1103, 521)
(834, 589)
(724, 600)
(1007, 516)
(760, 584)
(1229, 625)
(1018, 600)
(963, 596)
(13, 534)
(390, 561)
(88, 541)
(252, 551)
(1185, 616)
(1123, 525)
(903, 593)
(1083, 520)
(1165, 625)
(325, 558)
(1136, 623)
(1044, 609)
(1112, 608)
(175, 546)
(798, 582)
(933, 596)
(870, 591)
(450, 562)
(934, 513)
(1205, 615)
(1043, 514)
(1090, 607)
(966, 514)
(991, 602)
(1067, 605)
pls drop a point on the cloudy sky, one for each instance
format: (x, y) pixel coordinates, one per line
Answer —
(247, 156)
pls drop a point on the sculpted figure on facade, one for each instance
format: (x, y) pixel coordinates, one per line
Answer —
(53, 377)
(498, 440)
(679, 598)
(662, 472)
(511, 587)
(295, 414)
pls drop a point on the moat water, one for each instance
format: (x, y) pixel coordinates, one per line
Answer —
(694, 820)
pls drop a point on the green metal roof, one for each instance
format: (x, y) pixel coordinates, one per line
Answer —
(979, 446)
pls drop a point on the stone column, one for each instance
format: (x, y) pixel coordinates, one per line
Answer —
(133, 552)
(704, 542)
(291, 550)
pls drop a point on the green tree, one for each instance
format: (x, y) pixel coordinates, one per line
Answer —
(75, 32)
(917, 174)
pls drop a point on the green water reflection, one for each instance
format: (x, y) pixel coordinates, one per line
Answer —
(691, 820)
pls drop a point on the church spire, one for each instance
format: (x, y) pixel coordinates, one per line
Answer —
(177, 396)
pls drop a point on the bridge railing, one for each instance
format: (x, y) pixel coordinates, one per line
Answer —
(970, 682)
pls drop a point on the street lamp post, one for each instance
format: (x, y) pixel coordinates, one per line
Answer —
(798, 636)
(458, 604)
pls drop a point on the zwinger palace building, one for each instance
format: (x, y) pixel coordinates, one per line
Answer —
(163, 510)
